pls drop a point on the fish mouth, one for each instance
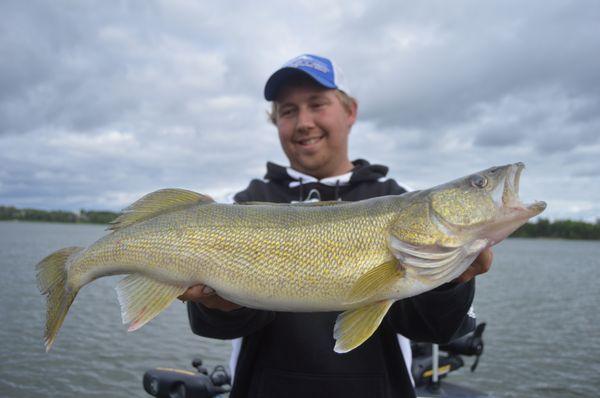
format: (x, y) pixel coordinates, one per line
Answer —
(510, 200)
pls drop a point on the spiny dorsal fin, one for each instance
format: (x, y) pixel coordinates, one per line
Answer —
(158, 202)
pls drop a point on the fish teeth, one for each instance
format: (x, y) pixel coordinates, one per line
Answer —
(510, 194)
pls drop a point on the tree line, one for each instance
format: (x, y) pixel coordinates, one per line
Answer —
(83, 216)
(563, 229)
(542, 228)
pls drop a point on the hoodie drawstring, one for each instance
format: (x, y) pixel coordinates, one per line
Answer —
(336, 192)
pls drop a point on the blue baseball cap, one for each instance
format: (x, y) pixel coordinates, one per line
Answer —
(320, 69)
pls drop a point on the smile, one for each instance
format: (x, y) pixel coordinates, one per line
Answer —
(309, 141)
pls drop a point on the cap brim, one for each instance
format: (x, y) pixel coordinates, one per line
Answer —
(279, 78)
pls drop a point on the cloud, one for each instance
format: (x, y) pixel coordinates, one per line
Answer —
(432, 67)
(546, 119)
(99, 105)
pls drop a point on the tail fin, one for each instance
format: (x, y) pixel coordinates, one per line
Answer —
(52, 279)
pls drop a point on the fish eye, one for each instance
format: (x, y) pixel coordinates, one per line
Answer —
(478, 181)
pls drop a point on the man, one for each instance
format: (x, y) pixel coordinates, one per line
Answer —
(291, 354)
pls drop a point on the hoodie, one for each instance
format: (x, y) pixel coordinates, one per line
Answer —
(286, 185)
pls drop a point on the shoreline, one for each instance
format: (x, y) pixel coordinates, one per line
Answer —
(528, 231)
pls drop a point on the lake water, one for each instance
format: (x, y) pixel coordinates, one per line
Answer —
(540, 301)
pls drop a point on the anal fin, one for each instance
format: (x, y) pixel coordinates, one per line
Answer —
(143, 298)
(353, 327)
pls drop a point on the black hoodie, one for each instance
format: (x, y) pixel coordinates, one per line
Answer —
(291, 355)
(278, 186)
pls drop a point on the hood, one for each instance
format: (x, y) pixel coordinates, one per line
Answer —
(362, 171)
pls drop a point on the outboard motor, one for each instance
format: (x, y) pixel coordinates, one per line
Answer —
(178, 383)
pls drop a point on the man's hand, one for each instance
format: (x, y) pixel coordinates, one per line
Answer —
(207, 297)
(481, 265)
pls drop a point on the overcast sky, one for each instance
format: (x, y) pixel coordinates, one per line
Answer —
(102, 104)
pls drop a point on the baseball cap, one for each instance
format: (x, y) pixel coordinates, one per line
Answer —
(320, 69)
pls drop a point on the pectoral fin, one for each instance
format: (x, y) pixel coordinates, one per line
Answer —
(142, 299)
(353, 327)
(374, 280)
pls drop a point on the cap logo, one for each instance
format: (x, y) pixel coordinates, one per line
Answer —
(310, 63)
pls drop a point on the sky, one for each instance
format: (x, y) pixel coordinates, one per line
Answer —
(102, 104)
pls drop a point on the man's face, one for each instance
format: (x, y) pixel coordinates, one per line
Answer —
(313, 129)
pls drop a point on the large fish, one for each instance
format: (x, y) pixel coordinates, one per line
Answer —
(356, 257)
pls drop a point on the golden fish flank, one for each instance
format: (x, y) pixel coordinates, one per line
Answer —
(355, 257)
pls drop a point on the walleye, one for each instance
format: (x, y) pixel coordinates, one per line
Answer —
(356, 257)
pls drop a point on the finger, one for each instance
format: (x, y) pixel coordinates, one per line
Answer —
(190, 293)
(208, 297)
(466, 276)
(481, 265)
(483, 262)
(208, 291)
(196, 293)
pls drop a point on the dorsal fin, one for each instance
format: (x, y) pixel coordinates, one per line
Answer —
(155, 203)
